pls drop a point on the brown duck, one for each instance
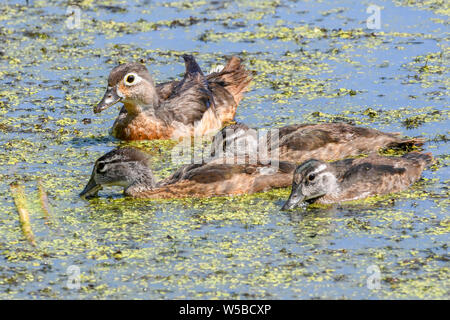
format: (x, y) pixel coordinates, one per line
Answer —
(129, 168)
(299, 142)
(195, 105)
(316, 181)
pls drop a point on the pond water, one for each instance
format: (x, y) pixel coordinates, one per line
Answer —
(314, 61)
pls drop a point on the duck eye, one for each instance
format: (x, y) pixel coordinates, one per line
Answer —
(311, 177)
(101, 167)
(130, 79)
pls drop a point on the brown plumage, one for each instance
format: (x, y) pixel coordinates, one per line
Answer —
(195, 105)
(353, 179)
(299, 142)
(217, 179)
(128, 167)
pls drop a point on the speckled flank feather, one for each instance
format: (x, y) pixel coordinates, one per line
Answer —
(376, 175)
(328, 141)
(214, 179)
(332, 141)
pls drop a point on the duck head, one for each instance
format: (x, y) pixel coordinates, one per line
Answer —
(120, 167)
(131, 84)
(235, 140)
(312, 179)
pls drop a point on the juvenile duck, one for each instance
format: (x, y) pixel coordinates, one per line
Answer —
(195, 105)
(316, 181)
(128, 167)
(299, 142)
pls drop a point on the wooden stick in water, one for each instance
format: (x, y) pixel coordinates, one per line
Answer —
(44, 200)
(20, 201)
(46, 209)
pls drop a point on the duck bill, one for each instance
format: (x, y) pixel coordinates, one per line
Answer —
(110, 98)
(295, 199)
(91, 189)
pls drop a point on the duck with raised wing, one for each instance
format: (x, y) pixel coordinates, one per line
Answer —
(129, 167)
(195, 105)
(299, 142)
(320, 182)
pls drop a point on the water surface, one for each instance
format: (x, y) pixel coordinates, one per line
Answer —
(314, 61)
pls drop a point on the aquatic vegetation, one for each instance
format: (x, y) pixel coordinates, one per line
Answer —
(312, 62)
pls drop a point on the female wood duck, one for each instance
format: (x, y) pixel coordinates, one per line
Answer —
(128, 167)
(316, 181)
(299, 142)
(195, 105)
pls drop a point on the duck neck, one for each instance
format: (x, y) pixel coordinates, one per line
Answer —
(334, 189)
(144, 182)
(146, 178)
(135, 108)
(147, 101)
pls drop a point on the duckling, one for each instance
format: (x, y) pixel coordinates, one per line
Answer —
(299, 142)
(196, 105)
(128, 167)
(316, 181)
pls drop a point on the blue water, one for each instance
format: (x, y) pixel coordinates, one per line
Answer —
(242, 247)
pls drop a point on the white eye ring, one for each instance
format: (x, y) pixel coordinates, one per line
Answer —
(101, 167)
(131, 79)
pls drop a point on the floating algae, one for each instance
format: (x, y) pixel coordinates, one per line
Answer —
(314, 61)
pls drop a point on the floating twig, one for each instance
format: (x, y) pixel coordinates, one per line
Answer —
(44, 200)
(20, 201)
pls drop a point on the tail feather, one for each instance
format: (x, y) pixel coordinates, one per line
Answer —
(407, 143)
(424, 158)
(233, 77)
(191, 65)
(194, 71)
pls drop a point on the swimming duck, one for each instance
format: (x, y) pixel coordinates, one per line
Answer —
(128, 167)
(196, 105)
(316, 181)
(299, 142)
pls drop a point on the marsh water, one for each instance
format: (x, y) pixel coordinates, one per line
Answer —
(314, 61)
